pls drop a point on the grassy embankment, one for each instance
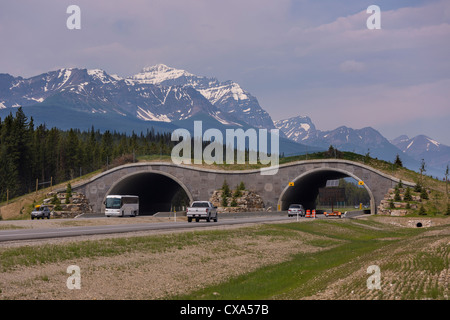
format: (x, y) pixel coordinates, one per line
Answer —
(412, 271)
(414, 263)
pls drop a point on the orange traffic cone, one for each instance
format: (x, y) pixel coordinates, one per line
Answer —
(313, 214)
(308, 214)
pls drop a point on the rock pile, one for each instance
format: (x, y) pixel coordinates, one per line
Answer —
(400, 206)
(76, 205)
(247, 202)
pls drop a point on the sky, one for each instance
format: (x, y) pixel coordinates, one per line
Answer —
(298, 57)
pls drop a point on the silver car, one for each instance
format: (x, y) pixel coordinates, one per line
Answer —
(40, 212)
(296, 209)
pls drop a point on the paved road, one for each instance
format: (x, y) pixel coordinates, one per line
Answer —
(46, 233)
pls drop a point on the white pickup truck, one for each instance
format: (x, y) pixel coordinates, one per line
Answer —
(201, 210)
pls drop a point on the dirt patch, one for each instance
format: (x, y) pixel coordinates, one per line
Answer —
(150, 275)
(415, 269)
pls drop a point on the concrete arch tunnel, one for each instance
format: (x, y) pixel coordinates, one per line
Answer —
(157, 182)
(156, 190)
(306, 187)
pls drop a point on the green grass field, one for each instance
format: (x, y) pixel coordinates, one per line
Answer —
(350, 247)
(414, 262)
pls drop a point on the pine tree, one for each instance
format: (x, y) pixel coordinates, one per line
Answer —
(68, 193)
(407, 196)
(418, 187)
(224, 201)
(226, 189)
(397, 194)
(398, 162)
(422, 171)
(424, 194)
(422, 211)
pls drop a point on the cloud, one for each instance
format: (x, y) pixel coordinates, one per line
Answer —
(298, 57)
(352, 66)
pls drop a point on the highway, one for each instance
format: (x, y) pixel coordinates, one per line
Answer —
(60, 232)
(46, 233)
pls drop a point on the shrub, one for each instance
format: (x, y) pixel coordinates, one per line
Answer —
(397, 194)
(68, 193)
(237, 193)
(407, 196)
(391, 204)
(422, 211)
(417, 187)
(226, 189)
(424, 194)
(224, 201)
(398, 162)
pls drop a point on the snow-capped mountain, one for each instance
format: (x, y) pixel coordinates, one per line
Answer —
(297, 129)
(227, 96)
(94, 91)
(301, 129)
(421, 147)
(157, 93)
(160, 97)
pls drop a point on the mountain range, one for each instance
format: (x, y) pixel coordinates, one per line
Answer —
(166, 98)
(368, 140)
(160, 97)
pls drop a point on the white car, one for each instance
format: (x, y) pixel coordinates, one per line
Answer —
(296, 209)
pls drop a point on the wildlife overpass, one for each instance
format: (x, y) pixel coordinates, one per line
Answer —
(156, 183)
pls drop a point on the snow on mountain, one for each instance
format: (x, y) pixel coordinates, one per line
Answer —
(301, 129)
(158, 74)
(418, 144)
(157, 93)
(95, 91)
(434, 153)
(297, 129)
(228, 96)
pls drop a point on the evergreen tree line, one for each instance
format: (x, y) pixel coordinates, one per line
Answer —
(354, 194)
(28, 153)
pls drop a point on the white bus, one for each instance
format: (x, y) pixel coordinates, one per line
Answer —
(120, 206)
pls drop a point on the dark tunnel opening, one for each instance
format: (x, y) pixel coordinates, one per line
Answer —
(306, 188)
(156, 191)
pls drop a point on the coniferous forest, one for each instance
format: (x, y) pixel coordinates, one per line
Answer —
(30, 154)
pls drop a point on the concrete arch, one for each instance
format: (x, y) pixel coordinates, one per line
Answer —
(308, 184)
(154, 188)
(200, 183)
